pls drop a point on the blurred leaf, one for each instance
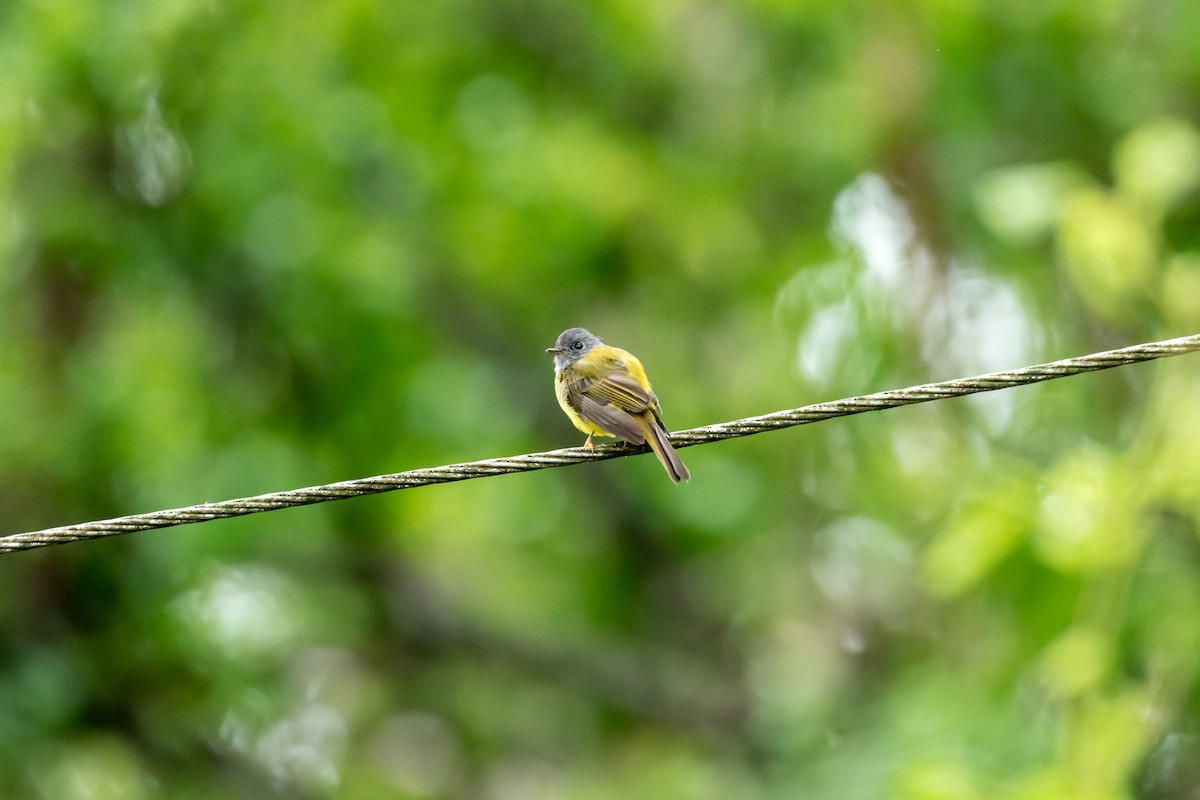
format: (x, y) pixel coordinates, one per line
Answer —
(1107, 737)
(937, 780)
(983, 532)
(1109, 251)
(1077, 662)
(1088, 520)
(1023, 204)
(94, 768)
(1158, 164)
(1181, 291)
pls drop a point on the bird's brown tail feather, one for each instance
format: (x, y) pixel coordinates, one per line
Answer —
(656, 437)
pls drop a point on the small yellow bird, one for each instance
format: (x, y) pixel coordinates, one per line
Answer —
(604, 390)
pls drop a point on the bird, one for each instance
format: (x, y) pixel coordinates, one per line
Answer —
(604, 390)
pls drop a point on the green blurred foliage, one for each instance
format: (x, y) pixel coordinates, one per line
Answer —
(248, 247)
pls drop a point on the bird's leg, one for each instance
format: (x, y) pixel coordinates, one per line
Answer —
(588, 444)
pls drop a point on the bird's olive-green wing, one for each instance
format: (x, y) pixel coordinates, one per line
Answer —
(611, 420)
(610, 403)
(618, 389)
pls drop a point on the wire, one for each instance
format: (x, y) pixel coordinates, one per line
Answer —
(575, 455)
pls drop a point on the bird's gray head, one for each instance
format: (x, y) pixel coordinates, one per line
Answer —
(571, 345)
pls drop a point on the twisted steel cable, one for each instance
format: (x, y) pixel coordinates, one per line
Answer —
(575, 455)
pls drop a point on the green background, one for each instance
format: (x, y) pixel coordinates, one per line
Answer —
(247, 247)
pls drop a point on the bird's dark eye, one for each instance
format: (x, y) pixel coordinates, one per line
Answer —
(577, 346)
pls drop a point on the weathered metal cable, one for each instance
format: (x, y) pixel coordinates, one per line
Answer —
(561, 458)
